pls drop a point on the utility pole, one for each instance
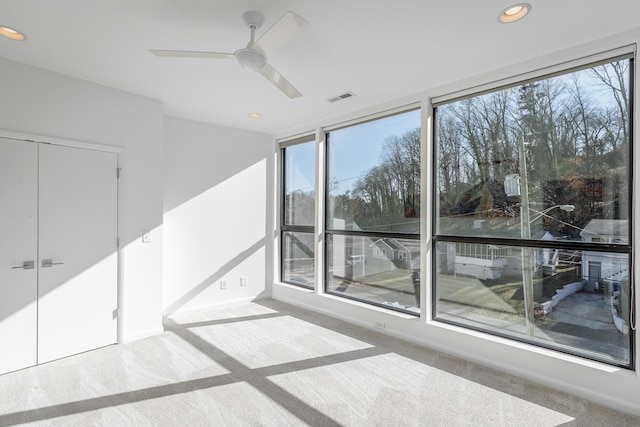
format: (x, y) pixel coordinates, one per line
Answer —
(525, 233)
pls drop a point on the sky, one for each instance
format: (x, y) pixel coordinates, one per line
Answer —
(353, 151)
(356, 149)
(300, 173)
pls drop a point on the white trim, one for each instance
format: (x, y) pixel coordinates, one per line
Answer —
(635, 219)
(320, 189)
(141, 335)
(203, 308)
(297, 139)
(400, 104)
(374, 116)
(538, 73)
(277, 209)
(22, 136)
(426, 211)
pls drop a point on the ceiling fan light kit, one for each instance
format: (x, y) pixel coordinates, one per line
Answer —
(254, 56)
(250, 59)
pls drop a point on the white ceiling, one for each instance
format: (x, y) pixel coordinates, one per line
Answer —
(379, 50)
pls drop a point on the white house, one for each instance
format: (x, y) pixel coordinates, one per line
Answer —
(600, 267)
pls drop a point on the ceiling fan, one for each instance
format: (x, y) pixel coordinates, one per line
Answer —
(254, 56)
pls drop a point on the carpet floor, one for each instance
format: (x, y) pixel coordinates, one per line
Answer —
(271, 364)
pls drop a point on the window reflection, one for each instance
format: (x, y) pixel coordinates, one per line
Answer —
(297, 252)
(374, 175)
(299, 184)
(381, 270)
(298, 256)
(580, 299)
(373, 212)
(532, 226)
(525, 152)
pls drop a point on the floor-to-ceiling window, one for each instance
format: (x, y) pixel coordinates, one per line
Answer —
(372, 222)
(532, 196)
(297, 254)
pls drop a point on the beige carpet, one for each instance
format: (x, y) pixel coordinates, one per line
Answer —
(271, 364)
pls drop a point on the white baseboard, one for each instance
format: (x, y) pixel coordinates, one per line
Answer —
(193, 309)
(141, 335)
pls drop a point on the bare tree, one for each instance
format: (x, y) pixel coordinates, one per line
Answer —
(615, 76)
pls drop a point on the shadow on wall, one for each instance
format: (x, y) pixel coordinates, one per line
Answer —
(216, 217)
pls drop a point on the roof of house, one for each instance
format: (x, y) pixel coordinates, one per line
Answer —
(606, 228)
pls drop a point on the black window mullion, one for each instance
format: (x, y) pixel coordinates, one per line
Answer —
(374, 234)
(552, 244)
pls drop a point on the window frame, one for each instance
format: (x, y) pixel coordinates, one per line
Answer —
(329, 232)
(612, 246)
(291, 228)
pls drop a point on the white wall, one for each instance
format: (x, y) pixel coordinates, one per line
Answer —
(36, 101)
(217, 192)
(217, 215)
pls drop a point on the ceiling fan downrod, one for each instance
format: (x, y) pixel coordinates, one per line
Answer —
(252, 58)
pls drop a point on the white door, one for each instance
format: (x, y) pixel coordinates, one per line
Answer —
(77, 262)
(18, 248)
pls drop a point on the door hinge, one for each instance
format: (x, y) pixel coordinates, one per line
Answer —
(116, 313)
(117, 242)
(118, 172)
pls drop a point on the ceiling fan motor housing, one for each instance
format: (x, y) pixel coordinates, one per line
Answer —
(251, 59)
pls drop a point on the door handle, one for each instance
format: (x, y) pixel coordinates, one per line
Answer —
(46, 263)
(27, 265)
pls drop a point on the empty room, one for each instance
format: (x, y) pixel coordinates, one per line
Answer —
(360, 213)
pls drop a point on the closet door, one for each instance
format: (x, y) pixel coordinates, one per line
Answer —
(18, 254)
(77, 264)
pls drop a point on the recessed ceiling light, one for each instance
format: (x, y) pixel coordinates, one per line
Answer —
(254, 115)
(11, 33)
(514, 12)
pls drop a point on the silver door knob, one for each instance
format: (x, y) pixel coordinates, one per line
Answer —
(27, 265)
(46, 263)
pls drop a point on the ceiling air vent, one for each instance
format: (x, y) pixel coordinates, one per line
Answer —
(341, 97)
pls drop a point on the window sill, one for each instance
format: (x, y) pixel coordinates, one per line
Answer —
(347, 302)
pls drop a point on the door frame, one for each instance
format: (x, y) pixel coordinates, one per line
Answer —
(35, 138)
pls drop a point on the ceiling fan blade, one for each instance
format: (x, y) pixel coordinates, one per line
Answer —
(190, 54)
(281, 32)
(280, 82)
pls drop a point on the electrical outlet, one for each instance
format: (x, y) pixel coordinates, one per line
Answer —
(243, 281)
(380, 325)
(223, 284)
